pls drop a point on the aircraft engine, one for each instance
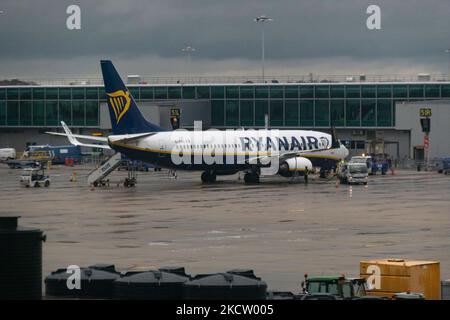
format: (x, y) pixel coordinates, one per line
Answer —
(297, 165)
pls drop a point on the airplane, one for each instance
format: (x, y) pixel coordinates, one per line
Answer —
(288, 153)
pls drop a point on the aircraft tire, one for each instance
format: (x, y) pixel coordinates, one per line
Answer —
(251, 177)
(208, 177)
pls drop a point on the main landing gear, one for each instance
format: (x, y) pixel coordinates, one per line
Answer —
(251, 177)
(323, 173)
(209, 177)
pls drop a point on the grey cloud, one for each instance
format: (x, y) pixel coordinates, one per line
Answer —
(303, 31)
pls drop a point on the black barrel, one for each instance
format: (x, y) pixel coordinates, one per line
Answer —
(20, 260)
(151, 285)
(225, 286)
(175, 270)
(96, 282)
(249, 273)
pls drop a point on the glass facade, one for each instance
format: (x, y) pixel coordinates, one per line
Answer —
(47, 106)
(286, 105)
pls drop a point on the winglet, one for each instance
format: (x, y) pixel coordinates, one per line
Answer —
(69, 134)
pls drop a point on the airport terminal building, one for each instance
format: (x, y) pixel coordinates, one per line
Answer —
(371, 116)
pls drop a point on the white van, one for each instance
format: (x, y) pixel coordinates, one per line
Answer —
(7, 153)
(353, 173)
(364, 159)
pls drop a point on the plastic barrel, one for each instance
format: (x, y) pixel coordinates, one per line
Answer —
(249, 273)
(151, 285)
(225, 286)
(175, 270)
(96, 282)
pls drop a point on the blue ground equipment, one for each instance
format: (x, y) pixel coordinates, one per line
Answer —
(60, 152)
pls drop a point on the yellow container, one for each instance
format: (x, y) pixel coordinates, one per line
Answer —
(391, 276)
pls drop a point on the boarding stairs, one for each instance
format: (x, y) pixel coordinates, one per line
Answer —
(98, 175)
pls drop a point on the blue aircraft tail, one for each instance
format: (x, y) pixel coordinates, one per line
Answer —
(124, 113)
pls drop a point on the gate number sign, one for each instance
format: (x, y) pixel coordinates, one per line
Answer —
(425, 112)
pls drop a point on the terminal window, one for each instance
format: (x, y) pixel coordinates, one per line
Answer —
(384, 113)
(262, 92)
(291, 113)
(261, 109)
(276, 112)
(247, 113)
(307, 92)
(353, 91)
(291, 92)
(353, 113)
(217, 92)
(175, 93)
(322, 114)
(276, 92)
(25, 113)
(384, 91)
(247, 92)
(203, 92)
(337, 91)
(368, 109)
(160, 93)
(232, 113)
(146, 93)
(217, 113)
(337, 112)
(368, 91)
(322, 92)
(307, 113)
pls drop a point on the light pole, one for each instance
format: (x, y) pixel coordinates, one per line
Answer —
(448, 74)
(262, 19)
(188, 50)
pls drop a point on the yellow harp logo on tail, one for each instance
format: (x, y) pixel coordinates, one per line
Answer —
(120, 102)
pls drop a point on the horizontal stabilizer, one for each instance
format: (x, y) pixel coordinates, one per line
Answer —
(79, 136)
(73, 138)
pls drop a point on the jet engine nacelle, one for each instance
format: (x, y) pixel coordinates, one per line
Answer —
(295, 166)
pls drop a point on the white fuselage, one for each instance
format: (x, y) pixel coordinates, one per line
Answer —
(214, 147)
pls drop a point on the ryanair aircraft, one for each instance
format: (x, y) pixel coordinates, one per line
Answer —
(256, 152)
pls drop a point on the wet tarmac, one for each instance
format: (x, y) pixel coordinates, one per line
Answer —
(278, 228)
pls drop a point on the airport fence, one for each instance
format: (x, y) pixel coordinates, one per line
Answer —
(211, 79)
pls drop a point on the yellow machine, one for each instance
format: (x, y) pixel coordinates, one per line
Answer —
(390, 276)
(42, 156)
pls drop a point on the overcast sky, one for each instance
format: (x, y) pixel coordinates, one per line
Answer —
(146, 36)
